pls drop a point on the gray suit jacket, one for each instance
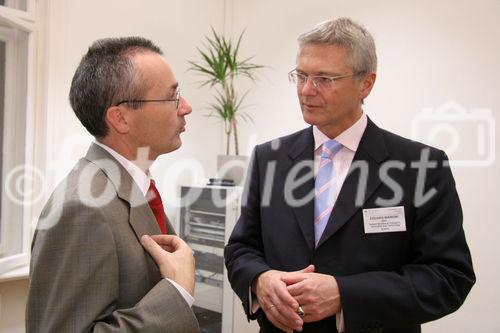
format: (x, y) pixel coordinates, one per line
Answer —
(89, 272)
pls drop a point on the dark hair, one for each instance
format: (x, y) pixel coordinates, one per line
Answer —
(105, 76)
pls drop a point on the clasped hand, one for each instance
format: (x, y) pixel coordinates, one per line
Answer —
(281, 293)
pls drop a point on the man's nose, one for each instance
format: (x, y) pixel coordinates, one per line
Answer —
(308, 88)
(184, 107)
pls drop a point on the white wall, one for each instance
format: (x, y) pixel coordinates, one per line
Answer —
(12, 303)
(430, 52)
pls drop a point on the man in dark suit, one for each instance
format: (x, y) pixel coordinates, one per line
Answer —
(95, 267)
(345, 226)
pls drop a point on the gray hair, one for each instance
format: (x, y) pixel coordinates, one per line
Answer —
(350, 35)
(105, 76)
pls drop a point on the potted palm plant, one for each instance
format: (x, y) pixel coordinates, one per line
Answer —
(221, 65)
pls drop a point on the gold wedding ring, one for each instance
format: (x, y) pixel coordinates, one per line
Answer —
(301, 312)
(270, 307)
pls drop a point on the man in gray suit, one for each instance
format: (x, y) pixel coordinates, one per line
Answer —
(95, 267)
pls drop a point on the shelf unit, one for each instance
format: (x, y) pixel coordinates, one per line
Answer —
(207, 217)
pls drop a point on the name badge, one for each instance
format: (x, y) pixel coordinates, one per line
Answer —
(387, 219)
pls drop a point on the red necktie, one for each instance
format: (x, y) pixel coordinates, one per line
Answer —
(154, 200)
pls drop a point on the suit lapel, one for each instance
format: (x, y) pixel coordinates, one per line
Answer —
(142, 219)
(357, 188)
(301, 156)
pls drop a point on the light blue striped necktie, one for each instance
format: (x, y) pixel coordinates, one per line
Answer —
(324, 188)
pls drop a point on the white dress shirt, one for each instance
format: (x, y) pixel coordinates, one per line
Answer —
(342, 160)
(143, 180)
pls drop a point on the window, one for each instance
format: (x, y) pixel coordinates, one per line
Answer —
(15, 4)
(19, 30)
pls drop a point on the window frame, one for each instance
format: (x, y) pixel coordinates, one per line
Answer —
(30, 99)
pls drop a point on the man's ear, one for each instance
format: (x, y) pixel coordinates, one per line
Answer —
(367, 85)
(115, 118)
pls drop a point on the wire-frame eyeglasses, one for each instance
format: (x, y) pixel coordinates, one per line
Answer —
(140, 101)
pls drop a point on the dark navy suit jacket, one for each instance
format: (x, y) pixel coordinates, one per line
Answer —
(388, 282)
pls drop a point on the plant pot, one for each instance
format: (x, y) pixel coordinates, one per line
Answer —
(232, 167)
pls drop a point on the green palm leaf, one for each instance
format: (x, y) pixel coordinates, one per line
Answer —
(219, 66)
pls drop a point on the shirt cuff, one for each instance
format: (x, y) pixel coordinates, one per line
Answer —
(253, 303)
(339, 317)
(189, 299)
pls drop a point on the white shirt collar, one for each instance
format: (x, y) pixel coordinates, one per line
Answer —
(140, 178)
(349, 138)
